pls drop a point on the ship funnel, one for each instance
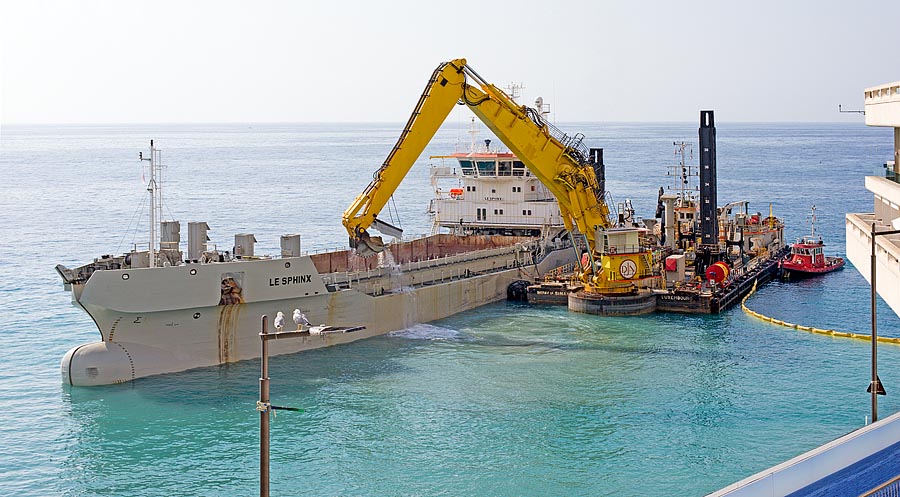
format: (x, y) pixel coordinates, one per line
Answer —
(197, 239)
(290, 245)
(243, 244)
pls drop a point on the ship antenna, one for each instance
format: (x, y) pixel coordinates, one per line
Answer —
(812, 222)
(155, 197)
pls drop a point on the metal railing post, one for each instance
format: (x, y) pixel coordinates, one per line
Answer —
(875, 385)
(264, 413)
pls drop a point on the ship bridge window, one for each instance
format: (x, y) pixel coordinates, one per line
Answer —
(487, 168)
(518, 168)
(467, 167)
(504, 168)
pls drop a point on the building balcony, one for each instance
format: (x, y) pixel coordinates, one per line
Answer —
(882, 104)
(887, 247)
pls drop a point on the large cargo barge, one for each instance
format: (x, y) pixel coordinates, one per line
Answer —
(160, 310)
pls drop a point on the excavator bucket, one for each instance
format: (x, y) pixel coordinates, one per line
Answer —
(366, 245)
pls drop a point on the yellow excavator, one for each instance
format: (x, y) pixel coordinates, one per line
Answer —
(561, 162)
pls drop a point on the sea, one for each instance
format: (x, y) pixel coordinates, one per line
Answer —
(503, 400)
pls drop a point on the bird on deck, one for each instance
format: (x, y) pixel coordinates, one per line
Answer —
(279, 321)
(300, 319)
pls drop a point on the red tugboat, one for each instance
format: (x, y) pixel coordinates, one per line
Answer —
(807, 259)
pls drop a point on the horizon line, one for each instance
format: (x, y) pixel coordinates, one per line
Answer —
(193, 123)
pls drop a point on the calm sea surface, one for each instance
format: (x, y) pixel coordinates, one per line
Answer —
(504, 400)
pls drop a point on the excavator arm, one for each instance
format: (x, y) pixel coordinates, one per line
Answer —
(560, 162)
(441, 93)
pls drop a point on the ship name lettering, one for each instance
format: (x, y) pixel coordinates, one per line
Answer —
(682, 298)
(290, 280)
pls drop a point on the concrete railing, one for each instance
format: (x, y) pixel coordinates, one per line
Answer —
(817, 464)
(889, 92)
(882, 104)
(887, 255)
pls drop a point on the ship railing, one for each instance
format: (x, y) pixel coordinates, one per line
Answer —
(366, 279)
(574, 144)
(650, 282)
(623, 249)
(451, 218)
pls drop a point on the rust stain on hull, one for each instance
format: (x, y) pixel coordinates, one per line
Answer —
(226, 328)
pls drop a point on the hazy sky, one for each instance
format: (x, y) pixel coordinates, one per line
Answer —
(359, 61)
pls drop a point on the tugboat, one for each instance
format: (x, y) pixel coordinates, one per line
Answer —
(807, 258)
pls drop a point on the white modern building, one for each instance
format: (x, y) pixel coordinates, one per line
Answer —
(882, 105)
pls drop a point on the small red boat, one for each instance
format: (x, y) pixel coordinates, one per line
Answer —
(807, 258)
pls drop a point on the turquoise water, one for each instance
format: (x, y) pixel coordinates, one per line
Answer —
(503, 400)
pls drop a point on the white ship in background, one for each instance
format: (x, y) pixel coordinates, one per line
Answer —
(486, 190)
(160, 310)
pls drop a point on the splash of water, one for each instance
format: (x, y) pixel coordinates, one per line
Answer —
(426, 332)
(386, 260)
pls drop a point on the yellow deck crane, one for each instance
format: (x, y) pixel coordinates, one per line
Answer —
(559, 161)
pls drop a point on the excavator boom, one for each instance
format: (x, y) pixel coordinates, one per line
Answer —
(560, 162)
(441, 94)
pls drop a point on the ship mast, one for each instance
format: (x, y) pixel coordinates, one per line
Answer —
(683, 173)
(154, 186)
(812, 223)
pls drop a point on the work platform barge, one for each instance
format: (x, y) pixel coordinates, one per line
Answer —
(705, 259)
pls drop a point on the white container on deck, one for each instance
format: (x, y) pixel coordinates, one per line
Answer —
(675, 268)
(243, 244)
(290, 245)
(169, 235)
(197, 239)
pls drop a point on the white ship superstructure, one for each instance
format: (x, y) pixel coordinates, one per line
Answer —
(490, 191)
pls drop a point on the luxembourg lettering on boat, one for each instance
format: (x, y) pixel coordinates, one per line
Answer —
(290, 280)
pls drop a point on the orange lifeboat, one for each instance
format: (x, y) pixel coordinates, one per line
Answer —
(456, 192)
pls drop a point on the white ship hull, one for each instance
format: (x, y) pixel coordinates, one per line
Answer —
(168, 319)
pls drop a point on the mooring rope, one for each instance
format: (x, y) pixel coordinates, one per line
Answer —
(810, 329)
